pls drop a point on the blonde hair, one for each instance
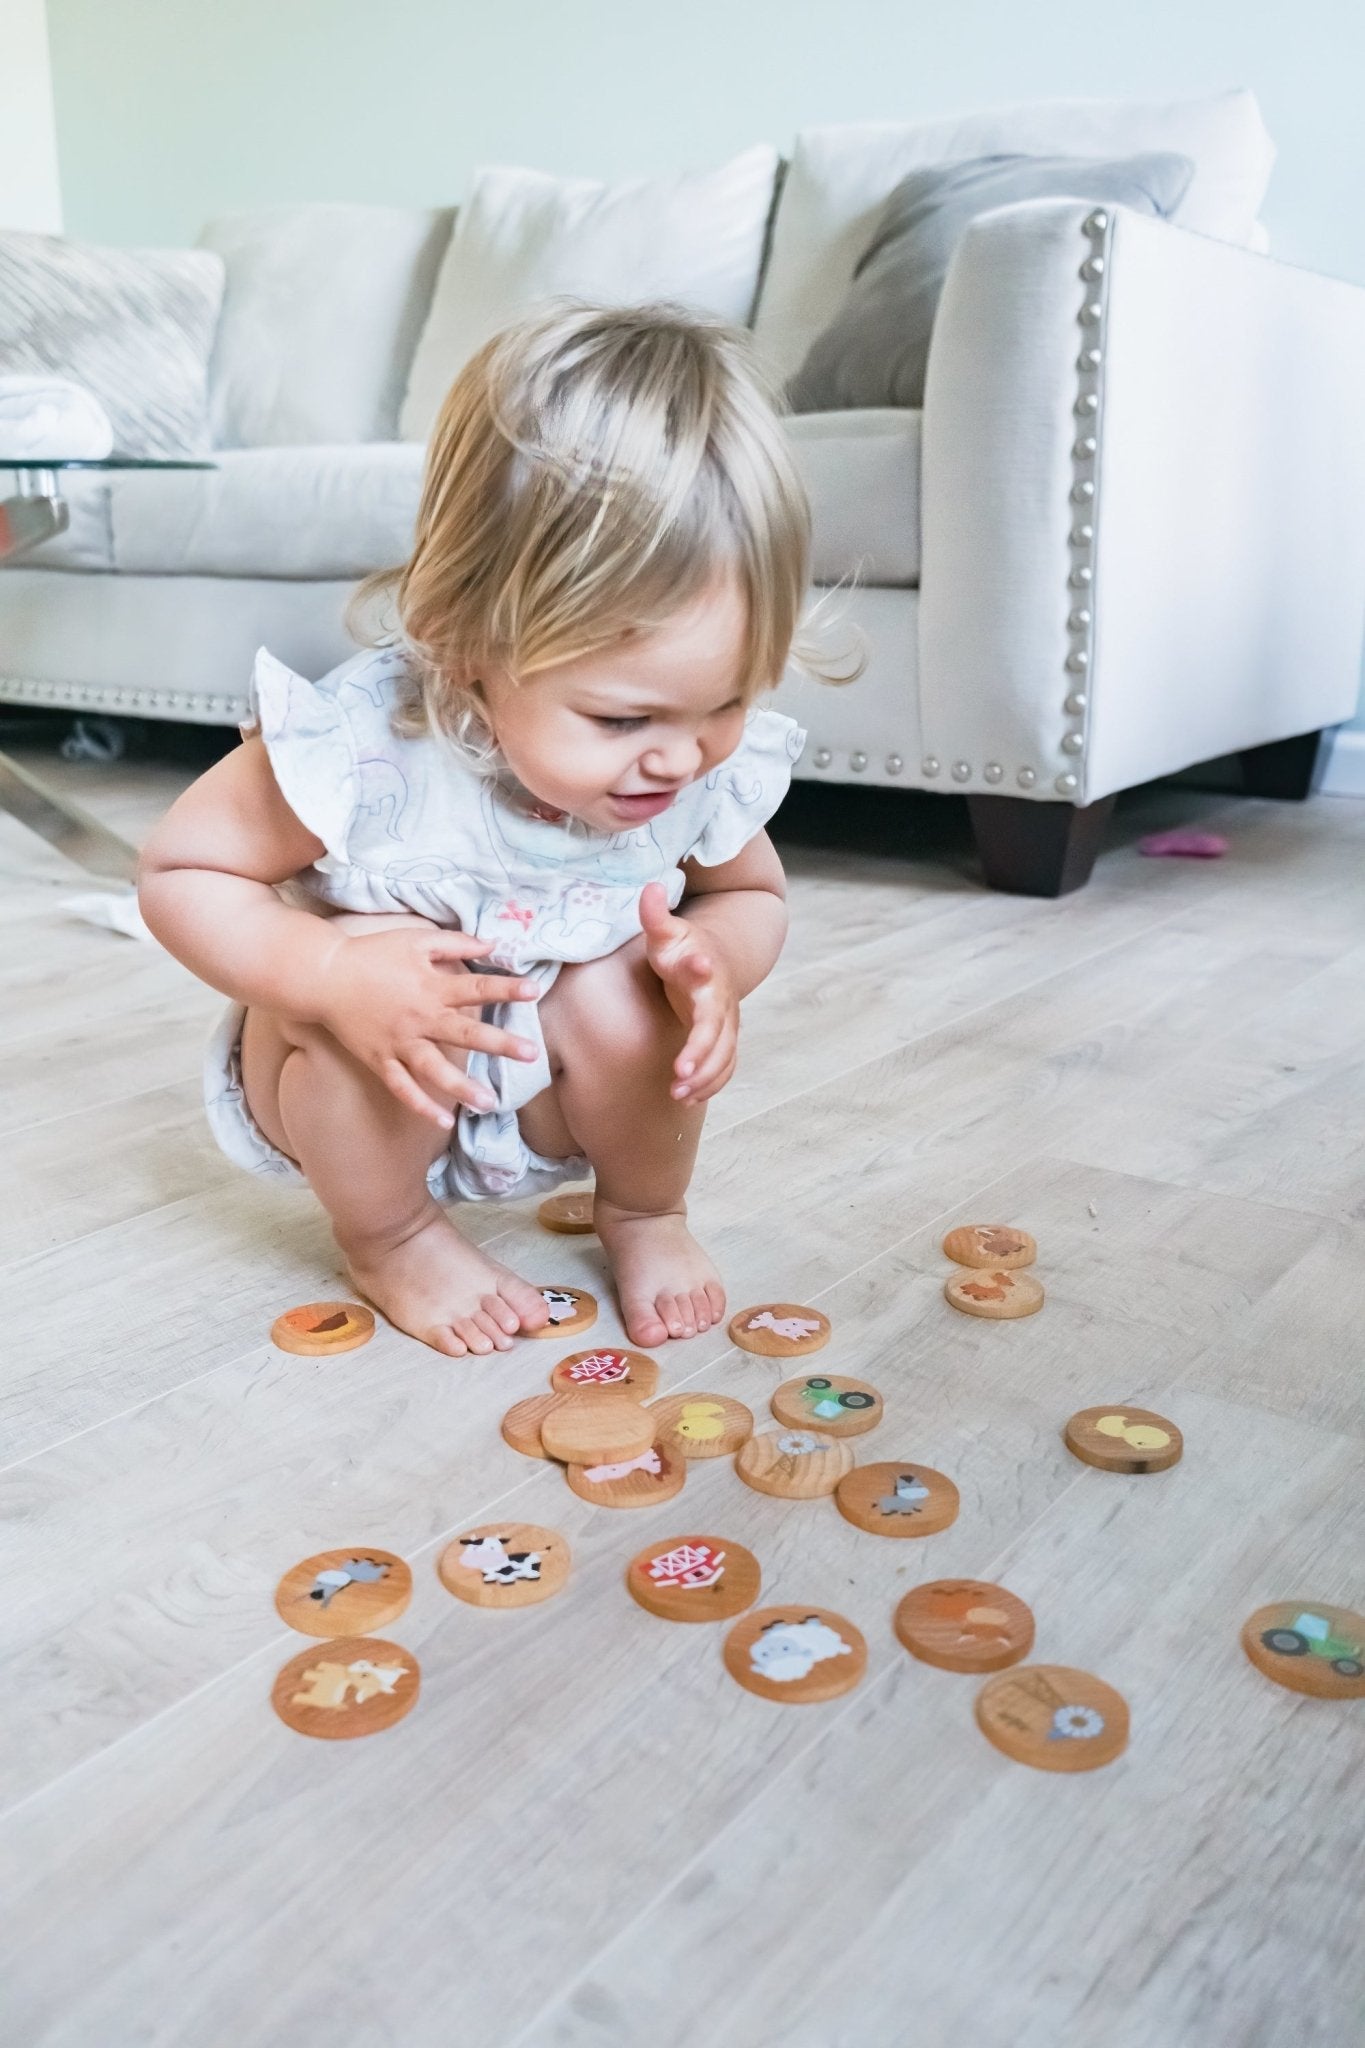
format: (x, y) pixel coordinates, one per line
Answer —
(591, 470)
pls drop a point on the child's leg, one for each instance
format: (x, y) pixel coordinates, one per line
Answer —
(366, 1158)
(612, 1038)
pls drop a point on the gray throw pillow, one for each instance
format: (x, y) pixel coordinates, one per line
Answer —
(132, 326)
(875, 350)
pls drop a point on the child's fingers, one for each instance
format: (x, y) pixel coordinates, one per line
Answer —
(701, 1041)
(655, 916)
(443, 1080)
(713, 1074)
(455, 946)
(472, 1037)
(400, 1083)
(476, 991)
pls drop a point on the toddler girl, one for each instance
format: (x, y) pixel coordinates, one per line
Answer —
(535, 883)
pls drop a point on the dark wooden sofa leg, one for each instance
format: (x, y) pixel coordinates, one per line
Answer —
(1284, 768)
(1030, 849)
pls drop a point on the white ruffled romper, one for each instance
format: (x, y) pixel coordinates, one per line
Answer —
(409, 825)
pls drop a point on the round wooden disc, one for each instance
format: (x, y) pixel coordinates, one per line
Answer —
(795, 1654)
(964, 1625)
(353, 1685)
(607, 1368)
(694, 1578)
(321, 1327)
(1053, 1718)
(640, 1482)
(521, 1425)
(505, 1564)
(999, 1295)
(990, 1244)
(589, 1427)
(779, 1329)
(1309, 1647)
(897, 1499)
(571, 1310)
(568, 1214)
(1120, 1439)
(344, 1592)
(793, 1464)
(702, 1425)
(824, 1401)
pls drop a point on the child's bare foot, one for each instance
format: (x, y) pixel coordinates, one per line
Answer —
(437, 1286)
(667, 1285)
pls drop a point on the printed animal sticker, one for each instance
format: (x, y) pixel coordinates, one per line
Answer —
(505, 1564)
(656, 1475)
(897, 1500)
(571, 1310)
(320, 1328)
(1141, 1436)
(1124, 1439)
(344, 1592)
(702, 1425)
(795, 1655)
(355, 1685)
(964, 1625)
(779, 1329)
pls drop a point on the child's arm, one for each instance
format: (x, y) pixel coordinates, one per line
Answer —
(723, 940)
(394, 998)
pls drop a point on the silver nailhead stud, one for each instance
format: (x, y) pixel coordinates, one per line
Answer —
(1091, 313)
(993, 772)
(1075, 703)
(929, 765)
(1078, 660)
(1081, 536)
(1066, 785)
(857, 762)
(1082, 493)
(1093, 266)
(1077, 621)
(822, 757)
(1095, 223)
(1073, 743)
(894, 764)
(1087, 402)
(1079, 578)
(962, 771)
(1085, 448)
(1026, 777)
(1089, 359)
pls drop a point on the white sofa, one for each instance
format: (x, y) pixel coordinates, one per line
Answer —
(1125, 535)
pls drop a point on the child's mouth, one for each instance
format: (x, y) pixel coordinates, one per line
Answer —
(635, 807)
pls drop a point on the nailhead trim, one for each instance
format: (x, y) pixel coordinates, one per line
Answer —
(1093, 274)
(117, 697)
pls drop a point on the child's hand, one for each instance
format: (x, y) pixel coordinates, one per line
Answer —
(698, 987)
(400, 999)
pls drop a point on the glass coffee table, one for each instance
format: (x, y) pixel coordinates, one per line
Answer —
(36, 512)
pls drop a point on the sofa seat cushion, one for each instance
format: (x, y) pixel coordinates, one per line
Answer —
(324, 514)
(315, 512)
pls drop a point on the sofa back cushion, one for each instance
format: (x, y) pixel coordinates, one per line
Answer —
(131, 326)
(322, 311)
(839, 179)
(525, 237)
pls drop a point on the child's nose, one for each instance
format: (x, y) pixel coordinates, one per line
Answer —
(676, 760)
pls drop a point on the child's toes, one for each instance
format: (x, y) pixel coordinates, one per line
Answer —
(715, 1295)
(475, 1339)
(447, 1341)
(643, 1323)
(701, 1310)
(527, 1303)
(491, 1325)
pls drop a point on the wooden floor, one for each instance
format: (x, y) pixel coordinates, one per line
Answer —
(585, 1835)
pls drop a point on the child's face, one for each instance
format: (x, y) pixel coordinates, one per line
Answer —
(612, 737)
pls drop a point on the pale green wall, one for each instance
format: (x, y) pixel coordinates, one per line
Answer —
(171, 110)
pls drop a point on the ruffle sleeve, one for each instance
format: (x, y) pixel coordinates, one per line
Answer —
(311, 747)
(748, 787)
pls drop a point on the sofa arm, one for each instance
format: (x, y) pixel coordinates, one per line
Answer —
(1143, 503)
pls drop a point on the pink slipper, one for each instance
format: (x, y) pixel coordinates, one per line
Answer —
(1183, 845)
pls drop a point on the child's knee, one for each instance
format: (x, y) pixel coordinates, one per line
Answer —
(615, 1010)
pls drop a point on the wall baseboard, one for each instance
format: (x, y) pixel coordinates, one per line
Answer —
(1344, 771)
